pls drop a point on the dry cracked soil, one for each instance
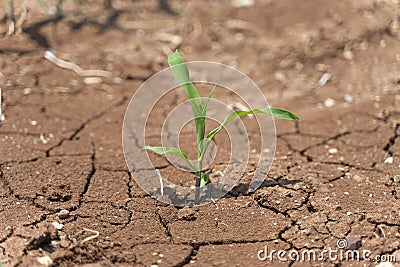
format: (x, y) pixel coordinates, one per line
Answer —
(68, 199)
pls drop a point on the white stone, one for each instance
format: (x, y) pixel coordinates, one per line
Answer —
(329, 102)
(348, 98)
(324, 79)
(45, 260)
(27, 91)
(57, 225)
(347, 54)
(389, 160)
(332, 151)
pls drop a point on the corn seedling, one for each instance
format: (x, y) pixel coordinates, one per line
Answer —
(181, 74)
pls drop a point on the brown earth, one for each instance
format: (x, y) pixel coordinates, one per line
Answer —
(328, 179)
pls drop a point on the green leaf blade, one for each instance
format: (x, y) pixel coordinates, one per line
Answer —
(172, 151)
(276, 112)
(205, 107)
(181, 74)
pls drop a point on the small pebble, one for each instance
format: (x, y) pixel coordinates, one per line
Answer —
(45, 260)
(346, 193)
(117, 80)
(347, 54)
(349, 213)
(27, 91)
(329, 102)
(42, 139)
(324, 79)
(389, 160)
(33, 123)
(348, 98)
(332, 151)
(396, 178)
(63, 214)
(57, 225)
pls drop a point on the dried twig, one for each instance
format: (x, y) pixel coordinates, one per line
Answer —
(96, 234)
(21, 19)
(72, 66)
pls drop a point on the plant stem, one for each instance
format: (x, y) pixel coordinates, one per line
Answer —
(198, 181)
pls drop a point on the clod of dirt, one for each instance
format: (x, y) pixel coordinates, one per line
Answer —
(279, 199)
(43, 239)
(60, 193)
(187, 214)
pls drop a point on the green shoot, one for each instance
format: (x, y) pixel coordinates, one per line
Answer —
(181, 74)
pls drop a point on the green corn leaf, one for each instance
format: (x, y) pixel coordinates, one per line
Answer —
(170, 150)
(279, 113)
(205, 107)
(181, 73)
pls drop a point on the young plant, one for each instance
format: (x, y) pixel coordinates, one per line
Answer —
(181, 74)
